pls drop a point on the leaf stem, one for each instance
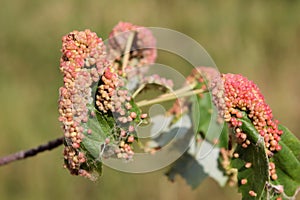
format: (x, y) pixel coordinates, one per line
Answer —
(138, 90)
(169, 97)
(181, 90)
(127, 50)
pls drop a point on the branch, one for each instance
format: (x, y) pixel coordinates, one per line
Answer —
(31, 152)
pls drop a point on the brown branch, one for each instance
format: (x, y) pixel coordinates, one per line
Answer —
(31, 152)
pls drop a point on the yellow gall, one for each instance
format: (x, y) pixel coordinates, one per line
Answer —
(274, 177)
(73, 134)
(122, 143)
(236, 155)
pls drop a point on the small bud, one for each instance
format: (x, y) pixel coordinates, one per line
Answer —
(131, 128)
(133, 115)
(130, 139)
(271, 165)
(239, 115)
(278, 147)
(144, 115)
(108, 74)
(274, 177)
(248, 165)
(123, 133)
(252, 193)
(238, 130)
(273, 143)
(122, 143)
(75, 145)
(244, 181)
(236, 155)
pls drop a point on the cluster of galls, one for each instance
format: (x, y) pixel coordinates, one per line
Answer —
(240, 94)
(81, 63)
(84, 63)
(113, 99)
(106, 90)
(234, 94)
(142, 52)
(272, 171)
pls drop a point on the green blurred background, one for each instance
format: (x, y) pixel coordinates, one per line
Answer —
(260, 39)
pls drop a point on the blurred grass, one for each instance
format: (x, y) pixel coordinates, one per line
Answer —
(259, 39)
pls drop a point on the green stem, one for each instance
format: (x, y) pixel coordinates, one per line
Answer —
(169, 97)
(138, 90)
(177, 92)
(181, 90)
(127, 50)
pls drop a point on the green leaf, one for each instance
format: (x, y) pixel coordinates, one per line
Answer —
(249, 129)
(135, 109)
(199, 162)
(207, 155)
(253, 167)
(287, 162)
(187, 167)
(224, 137)
(206, 121)
(202, 111)
(96, 129)
(176, 131)
(164, 132)
(92, 165)
(252, 163)
(290, 140)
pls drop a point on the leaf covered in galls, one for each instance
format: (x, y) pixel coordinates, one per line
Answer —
(253, 170)
(287, 163)
(97, 112)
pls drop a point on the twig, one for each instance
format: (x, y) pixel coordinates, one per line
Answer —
(31, 152)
